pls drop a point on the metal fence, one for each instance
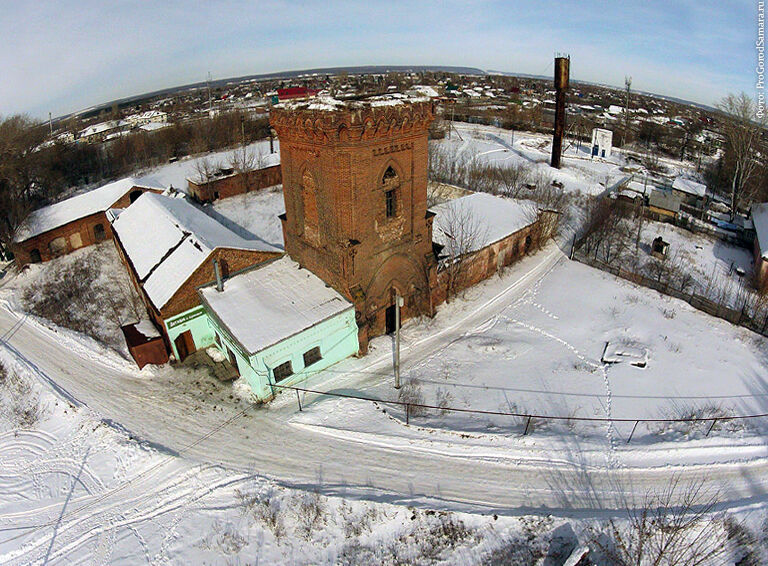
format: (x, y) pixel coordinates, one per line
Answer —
(410, 407)
(755, 319)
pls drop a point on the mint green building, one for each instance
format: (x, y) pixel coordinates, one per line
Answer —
(191, 324)
(276, 323)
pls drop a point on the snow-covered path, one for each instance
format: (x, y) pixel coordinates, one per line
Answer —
(263, 440)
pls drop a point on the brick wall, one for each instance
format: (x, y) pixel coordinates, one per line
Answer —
(231, 260)
(487, 261)
(235, 184)
(62, 240)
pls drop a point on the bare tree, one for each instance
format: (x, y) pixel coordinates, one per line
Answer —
(244, 161)
(676, 526)
(23, 174)
(742, 129)
(463, 234)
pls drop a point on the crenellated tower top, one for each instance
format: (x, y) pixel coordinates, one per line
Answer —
(327, 119)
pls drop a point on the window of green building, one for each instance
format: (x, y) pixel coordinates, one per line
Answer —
(312, 356)
(282, 371)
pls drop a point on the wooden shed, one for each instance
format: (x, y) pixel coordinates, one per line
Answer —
(145, 343)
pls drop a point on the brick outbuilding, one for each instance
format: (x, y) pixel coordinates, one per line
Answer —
(226, 183)
(170, 248)
(74, 223)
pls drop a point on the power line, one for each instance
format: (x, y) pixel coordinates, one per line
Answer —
(523, 415)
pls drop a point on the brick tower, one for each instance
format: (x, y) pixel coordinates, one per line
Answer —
(355, 188)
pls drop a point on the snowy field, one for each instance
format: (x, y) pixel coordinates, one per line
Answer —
(705, 257)
(501, 147)
(541, 354)
(75, 489)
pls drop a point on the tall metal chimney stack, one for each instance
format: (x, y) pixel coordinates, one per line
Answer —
(562, 71)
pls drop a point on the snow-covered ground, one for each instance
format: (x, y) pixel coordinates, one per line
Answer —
(76, 489)
(252, 214)
(709, 260)
(496, 146)
(168, 465)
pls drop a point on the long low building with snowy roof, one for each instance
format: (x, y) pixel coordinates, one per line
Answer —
(479, 234)
(171, 247)
(74, 223)
(759, 214)
(277, 323)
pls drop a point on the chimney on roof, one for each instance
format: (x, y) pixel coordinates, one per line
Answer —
(219, 280)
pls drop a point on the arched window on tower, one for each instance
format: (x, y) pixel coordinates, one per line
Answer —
(390, 181)
(309, 201)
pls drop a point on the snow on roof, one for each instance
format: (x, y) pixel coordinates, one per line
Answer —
(151, 126)
(167, 239)
(425, 90)
(760, 220)
(272, 302)
(494, 218)
(665, 200)
(689, 186)
(61, 213)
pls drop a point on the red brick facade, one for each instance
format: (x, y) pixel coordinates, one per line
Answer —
(235, 184)
(355, 188)
(491, 259)
(74, 235)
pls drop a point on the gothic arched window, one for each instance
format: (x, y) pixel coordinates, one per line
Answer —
(309, 200)
(390, 182)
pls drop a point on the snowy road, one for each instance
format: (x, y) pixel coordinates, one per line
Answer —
(264, 441)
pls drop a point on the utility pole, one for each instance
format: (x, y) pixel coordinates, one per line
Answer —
(210, 102)
(50, 123)
(398, 303)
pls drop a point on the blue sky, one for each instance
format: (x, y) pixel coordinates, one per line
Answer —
(65, 56)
